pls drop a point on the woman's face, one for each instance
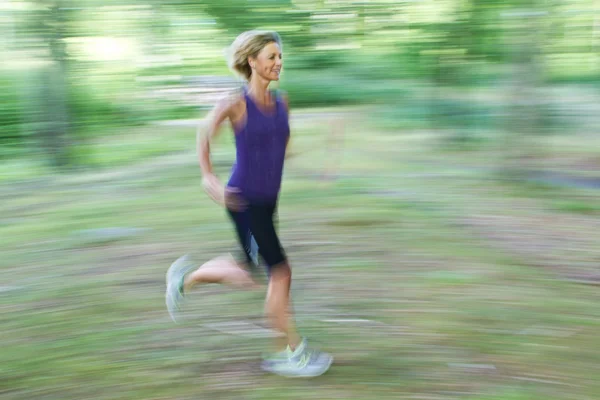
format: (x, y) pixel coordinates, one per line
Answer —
(268, 62)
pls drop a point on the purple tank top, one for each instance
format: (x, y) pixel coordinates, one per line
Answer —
(260, 151)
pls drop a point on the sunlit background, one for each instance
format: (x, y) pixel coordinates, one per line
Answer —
(441, 216)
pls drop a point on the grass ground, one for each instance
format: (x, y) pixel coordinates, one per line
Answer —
(425, 277)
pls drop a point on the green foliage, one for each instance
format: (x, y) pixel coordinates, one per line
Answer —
(318, 60)
(237, 16)
(577, 207)
(326, 88)
(11, 135)
(335, 53)
(93, 112)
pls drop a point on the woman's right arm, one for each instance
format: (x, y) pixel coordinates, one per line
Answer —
(204, 135)
(208, 131)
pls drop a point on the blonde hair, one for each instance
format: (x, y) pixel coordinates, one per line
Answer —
(248, 44)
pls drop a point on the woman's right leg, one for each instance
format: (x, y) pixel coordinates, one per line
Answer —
(291, 357)
(278, 308)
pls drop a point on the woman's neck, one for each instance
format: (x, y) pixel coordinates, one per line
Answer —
(259, 90)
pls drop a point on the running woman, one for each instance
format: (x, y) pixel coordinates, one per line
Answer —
(259, 120)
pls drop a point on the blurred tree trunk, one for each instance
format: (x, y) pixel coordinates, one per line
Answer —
(595, 43)
(361, 13)
(50, 120)
(56, 132)
(524, 123)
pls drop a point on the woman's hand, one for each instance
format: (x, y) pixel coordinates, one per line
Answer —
(214, 188)
(234, 200)
(223, 195)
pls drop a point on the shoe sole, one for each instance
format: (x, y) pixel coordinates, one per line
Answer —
(292, 375)
(176, 266)
(171, 272)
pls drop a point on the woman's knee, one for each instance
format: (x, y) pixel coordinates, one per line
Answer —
(281, 273)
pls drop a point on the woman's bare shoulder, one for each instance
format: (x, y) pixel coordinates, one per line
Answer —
(231, 102)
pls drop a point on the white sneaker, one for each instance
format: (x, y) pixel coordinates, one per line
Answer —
(301, 363)
(175, 276)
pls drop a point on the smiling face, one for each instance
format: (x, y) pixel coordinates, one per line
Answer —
(268, 62)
